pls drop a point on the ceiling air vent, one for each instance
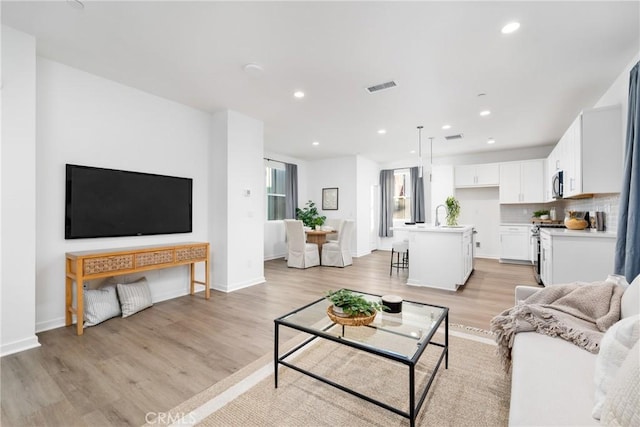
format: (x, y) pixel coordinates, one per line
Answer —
(382, 86)
(452, 137)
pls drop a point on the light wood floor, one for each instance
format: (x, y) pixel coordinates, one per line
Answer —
(125, 368)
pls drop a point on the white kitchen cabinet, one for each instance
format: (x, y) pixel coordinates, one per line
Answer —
(484, 175)
(515, 243)
(467, 254)
(522, 182)
(590, 153)
(576, 255)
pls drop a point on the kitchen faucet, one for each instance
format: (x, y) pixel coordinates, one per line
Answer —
(437, 223)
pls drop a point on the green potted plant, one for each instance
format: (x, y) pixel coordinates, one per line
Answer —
(349, 304)
(309, 215)
(542, 214)
(453, 210)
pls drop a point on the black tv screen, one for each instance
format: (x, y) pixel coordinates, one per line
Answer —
(111, 203)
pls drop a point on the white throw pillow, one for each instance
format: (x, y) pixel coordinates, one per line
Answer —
(614, 348)
(622, 405)
(134, 297)
(100, 305)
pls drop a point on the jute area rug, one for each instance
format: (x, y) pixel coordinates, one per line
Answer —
(474, 391)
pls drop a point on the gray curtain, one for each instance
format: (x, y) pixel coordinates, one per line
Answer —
(387, 182)
(290, 190)
(417, 195)
(627, 261)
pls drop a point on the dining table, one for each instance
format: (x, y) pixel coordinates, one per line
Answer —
(318, 237)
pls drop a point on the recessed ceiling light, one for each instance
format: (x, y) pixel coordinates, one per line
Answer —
(253, 68)
(510, 27)
(315, 143)
(491, 141)
(445, 127)
(298, 94)
(412, 151)
(382, 131)
(485, 113)
(76, 4)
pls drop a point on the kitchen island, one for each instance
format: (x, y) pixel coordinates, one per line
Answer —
(439, 257)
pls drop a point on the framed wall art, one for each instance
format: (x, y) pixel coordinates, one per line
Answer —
(330, 199)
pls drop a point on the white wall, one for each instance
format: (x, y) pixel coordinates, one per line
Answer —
(237, 231)
(87, 120)
(528, 153)
(18, 179)
(331, 173)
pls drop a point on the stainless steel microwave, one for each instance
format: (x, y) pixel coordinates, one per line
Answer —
(557, 186)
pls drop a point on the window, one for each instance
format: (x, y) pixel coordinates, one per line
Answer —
(402, 195)
(274, 178)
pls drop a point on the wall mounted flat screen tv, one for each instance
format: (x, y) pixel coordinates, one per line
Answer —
(112, 203)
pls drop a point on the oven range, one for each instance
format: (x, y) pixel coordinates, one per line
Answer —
(535, 235)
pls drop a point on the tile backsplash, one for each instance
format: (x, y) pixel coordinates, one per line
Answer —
(607, 203)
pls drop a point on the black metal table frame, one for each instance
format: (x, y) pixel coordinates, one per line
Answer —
(414, 407)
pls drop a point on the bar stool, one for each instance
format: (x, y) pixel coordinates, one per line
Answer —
(401, 251)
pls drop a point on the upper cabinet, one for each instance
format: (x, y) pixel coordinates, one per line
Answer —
(522, 182)
(485, 175)
(590, 153)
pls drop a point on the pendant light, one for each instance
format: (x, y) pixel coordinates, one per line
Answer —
(420, 167)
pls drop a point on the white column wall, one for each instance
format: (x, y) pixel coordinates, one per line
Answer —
(238, 139)
(218, 200)
(367, 176)
(18, 180)
(88, 120)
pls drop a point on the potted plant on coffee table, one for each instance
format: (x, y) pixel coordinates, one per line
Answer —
(351, 309)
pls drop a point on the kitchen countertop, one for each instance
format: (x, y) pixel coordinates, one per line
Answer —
(565, 232)
(428, 228)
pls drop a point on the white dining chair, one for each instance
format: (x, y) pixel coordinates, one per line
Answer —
(336, 224)
(338, 253)
(300, 253)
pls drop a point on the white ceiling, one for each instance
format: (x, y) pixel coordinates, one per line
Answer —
(442, 54)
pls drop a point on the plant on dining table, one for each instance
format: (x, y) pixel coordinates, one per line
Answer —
(309, 215)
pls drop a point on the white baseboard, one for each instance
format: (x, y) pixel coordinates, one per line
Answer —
(47, 325)
(362, 253)
(20, 345)
(237, 286)
(277, 256)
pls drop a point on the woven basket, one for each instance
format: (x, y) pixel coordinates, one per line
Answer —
(350, 321)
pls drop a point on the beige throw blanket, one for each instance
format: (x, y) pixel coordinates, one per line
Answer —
(577, 312)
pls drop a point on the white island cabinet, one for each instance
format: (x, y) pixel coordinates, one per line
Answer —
(440, 257)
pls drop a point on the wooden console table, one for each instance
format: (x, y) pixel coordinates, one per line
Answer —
(88, 265)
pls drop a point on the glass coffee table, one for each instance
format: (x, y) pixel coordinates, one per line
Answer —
(401, 337)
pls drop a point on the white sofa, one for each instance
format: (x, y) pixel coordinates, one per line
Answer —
(552, 381)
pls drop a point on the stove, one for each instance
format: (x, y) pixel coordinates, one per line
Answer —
(535, 235)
